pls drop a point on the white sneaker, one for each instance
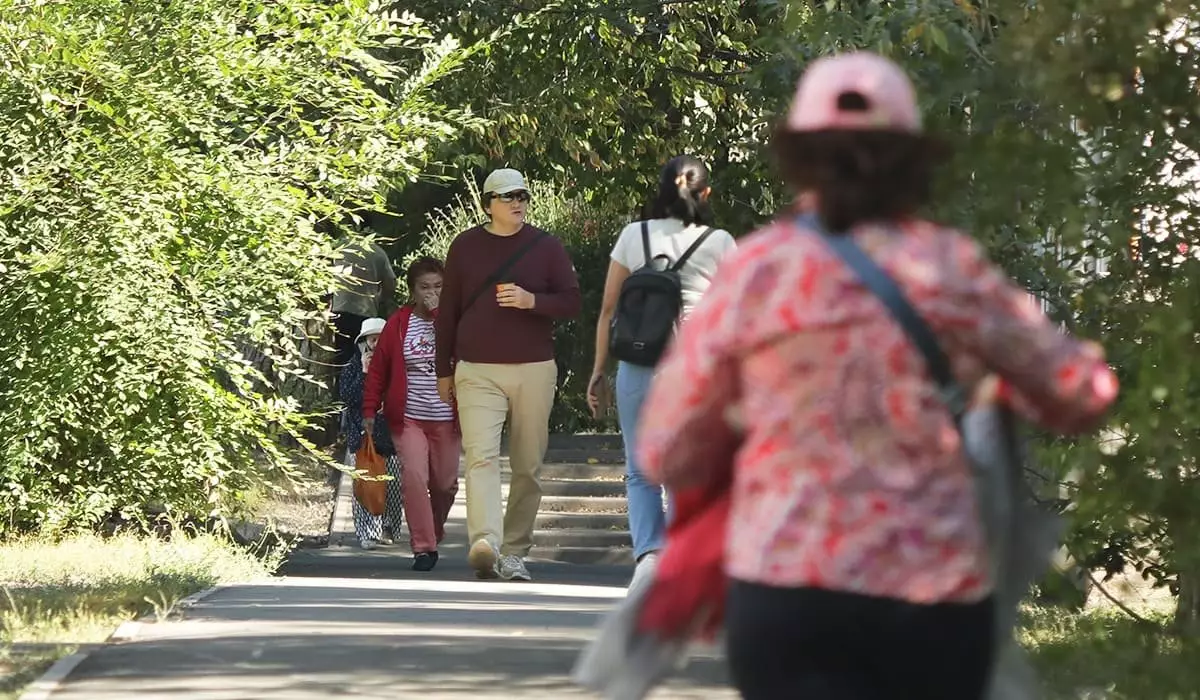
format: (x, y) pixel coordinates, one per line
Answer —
(367, 545)
(512, 568)
(482, 557)
(644, 570)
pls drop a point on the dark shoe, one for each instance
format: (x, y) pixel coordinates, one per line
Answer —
(424, 561)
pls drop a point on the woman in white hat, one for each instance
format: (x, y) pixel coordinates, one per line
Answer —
(372, 530)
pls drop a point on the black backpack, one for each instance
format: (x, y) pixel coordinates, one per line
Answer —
(649, 306)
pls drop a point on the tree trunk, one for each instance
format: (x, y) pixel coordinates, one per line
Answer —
(1186, 563)
(1187, 606)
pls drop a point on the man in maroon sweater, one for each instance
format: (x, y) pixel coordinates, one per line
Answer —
(506, 282)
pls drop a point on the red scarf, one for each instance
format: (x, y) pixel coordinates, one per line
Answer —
(687, 597)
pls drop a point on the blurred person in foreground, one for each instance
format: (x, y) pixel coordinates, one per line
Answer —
(854, 546)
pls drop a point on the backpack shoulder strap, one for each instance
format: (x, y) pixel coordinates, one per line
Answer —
(646, 241)
(692, 249)
(879, 283)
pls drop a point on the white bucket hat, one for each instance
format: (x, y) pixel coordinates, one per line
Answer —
(371, 326)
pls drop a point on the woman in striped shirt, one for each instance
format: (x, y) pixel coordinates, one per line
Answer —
(424, 428)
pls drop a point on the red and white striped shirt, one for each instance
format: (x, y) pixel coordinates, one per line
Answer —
(419, 358)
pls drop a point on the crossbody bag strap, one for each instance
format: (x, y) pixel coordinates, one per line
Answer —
(879, 283)
(503, 269)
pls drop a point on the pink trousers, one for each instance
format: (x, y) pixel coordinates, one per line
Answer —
(429, 452)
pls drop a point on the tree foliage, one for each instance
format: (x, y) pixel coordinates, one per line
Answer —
(1077, 166)
(163, 171)
(1071, 123)
(597, 95)
(1123, 75)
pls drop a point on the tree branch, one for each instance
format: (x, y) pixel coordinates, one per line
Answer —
(712, 78)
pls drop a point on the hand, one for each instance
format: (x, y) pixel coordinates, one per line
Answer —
(513, 297)
(369, 425)
(431, 300)
(446, 389)
(986, 392)
(594, 388)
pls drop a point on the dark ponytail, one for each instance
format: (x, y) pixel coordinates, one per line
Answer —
(681, 192)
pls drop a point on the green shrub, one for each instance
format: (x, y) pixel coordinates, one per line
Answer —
(163, 172)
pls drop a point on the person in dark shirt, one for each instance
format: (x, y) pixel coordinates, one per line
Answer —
(506, 283)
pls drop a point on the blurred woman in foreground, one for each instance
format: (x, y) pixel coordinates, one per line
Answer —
(855, 550)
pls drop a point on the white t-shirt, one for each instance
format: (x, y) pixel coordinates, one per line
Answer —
(671, 237)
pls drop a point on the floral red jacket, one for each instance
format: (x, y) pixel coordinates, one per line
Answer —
(793, 380)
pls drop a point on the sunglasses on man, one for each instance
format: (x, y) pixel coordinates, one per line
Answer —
(510, 197)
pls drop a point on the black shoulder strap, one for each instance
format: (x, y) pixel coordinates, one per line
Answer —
(495, 277)
(692, 249)
(877, 281)
(646, 242)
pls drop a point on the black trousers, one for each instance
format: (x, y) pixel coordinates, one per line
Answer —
(812, 644)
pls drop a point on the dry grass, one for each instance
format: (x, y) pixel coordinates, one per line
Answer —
(296, 510)
(58, 595)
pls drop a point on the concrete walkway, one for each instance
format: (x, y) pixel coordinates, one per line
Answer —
(327, 637)
(341, 622)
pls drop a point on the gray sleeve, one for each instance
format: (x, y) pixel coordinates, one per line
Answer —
(383, 266)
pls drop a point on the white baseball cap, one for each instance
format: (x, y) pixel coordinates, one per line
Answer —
(503, 181)
(371, 326)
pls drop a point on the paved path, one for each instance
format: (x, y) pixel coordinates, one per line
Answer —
(309, 638)
(346, 623)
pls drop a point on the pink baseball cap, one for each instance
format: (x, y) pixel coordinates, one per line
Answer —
(854, 91)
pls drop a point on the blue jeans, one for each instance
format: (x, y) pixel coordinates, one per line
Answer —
(647, 521)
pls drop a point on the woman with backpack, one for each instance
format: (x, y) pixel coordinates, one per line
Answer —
(855, 550)
(660, 268)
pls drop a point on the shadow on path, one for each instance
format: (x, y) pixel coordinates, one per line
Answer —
(314, 638)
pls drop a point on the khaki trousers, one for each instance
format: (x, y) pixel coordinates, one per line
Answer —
(487, 395)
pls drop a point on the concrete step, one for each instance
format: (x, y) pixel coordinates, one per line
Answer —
(577, 441)
(583, 487)
(593, 441)
(584, 555)
(585, 455)
(579, 448)
(578, 470)
(589, 521)
(593, 539)
(583, 504)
